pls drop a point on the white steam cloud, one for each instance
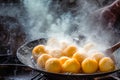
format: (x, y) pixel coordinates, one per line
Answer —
(44, 23)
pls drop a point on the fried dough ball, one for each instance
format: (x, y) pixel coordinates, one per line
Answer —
(98, 56)
(38, 50)
(56, 53)
(53, 42)
(88, 46)
(70, 50)
(71, 65)
(63, 45)
(53, 65)
(106, 64)
(63, 59)
(82, 50)
(89, 65)
(79, 56)
(42, 60)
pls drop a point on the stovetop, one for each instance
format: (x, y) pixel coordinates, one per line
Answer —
(12, 69)
(18, 72)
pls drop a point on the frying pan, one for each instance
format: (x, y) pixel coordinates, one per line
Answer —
(25, 56)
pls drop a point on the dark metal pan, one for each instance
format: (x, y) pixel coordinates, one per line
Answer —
(24, 55)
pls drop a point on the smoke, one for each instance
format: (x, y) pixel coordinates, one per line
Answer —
(47, 21)
(44, 22)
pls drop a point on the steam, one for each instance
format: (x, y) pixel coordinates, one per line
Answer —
(45, 22)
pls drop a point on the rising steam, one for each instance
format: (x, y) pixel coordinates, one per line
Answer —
(45, 22)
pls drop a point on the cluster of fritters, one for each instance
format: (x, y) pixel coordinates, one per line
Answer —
(63, 57)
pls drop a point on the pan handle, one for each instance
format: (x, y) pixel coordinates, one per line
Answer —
(113, 48)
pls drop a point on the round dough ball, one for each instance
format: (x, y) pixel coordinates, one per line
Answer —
(71, 66)
(42, 60)
(79, 56)
(63, 59)
(56, 53)
(88, 46)
(70, 50)
(38, 50)
(89, 65)
(106, 64)
(53, 65)
(98, 56)
(53, 42)
(63, 45)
